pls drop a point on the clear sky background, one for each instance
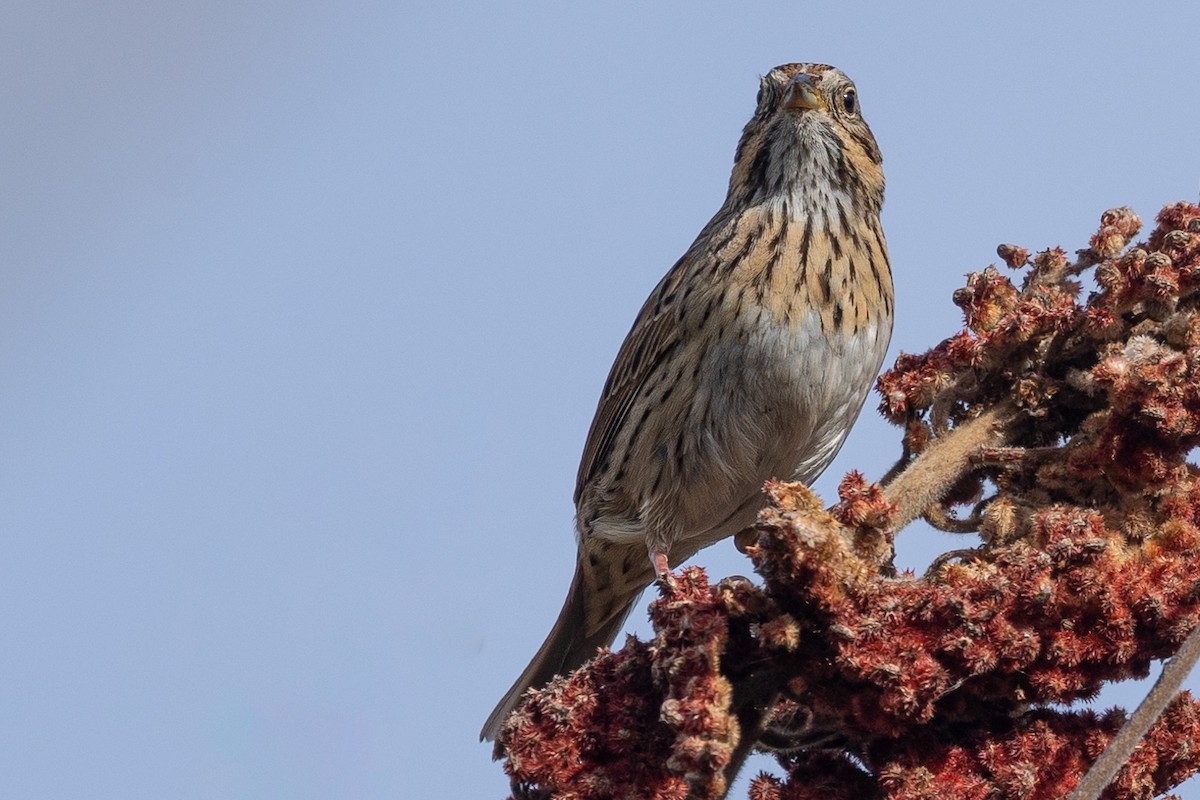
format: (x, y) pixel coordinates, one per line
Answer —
(305, 308)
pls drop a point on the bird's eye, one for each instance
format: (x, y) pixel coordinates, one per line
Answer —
(850, 101)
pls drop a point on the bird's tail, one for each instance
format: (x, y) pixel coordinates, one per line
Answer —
(569, 643)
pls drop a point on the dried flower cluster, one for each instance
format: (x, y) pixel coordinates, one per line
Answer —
(1056, 427)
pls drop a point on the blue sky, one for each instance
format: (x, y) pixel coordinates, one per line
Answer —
(305, 311)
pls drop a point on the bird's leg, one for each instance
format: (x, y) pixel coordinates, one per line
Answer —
(658, 559)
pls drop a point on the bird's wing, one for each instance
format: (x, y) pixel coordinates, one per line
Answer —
(655, 334)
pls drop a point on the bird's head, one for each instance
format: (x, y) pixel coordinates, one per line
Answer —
(807, 128)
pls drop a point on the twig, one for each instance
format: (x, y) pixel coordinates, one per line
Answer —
(1174, 672)
(927, 479)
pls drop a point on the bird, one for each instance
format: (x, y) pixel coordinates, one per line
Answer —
(749, 361)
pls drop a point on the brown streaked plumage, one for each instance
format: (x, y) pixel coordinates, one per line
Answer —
(749, 361)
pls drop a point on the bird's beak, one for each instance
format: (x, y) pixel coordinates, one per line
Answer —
(802, 94)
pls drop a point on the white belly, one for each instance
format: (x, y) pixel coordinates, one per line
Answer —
(782, 403)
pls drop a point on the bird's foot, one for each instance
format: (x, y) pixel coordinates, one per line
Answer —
(745, 538)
